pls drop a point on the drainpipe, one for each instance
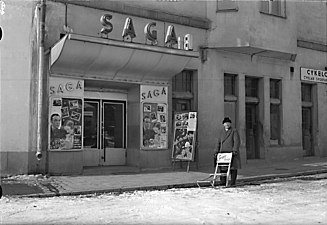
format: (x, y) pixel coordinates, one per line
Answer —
(41, 73)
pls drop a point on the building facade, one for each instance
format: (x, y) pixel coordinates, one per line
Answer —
(97, 84)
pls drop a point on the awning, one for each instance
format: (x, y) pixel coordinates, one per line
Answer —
(257, 51)
(92, 57)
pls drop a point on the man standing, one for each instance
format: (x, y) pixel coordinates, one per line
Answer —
(57, 133)
(229, 141)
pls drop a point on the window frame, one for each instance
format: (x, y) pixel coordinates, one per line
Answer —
(267, 6)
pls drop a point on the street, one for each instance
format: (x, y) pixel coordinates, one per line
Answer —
(298, 200)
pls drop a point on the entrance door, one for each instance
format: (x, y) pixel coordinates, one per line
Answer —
(104, 132)
(307, 131)
(252, 149)
(113, 129)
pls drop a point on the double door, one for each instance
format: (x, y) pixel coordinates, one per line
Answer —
(104, 132)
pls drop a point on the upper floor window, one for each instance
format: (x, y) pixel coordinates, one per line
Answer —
(274, 7)
(226, 5)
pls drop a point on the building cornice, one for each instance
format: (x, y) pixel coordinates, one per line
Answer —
(118, 7)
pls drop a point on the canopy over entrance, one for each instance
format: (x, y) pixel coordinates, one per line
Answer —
(91, 57)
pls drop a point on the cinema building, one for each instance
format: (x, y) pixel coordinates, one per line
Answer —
(105, 72)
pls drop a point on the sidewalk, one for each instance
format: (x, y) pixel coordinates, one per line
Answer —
(43, 186)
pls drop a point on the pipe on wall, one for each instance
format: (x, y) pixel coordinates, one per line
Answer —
(40, 75)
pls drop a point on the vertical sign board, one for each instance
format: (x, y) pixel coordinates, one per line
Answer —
(65, 113)
(184, 136)
(154, 115)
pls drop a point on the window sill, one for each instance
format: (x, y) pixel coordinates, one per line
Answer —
(274, 142)
(270, 14)
(227, 10)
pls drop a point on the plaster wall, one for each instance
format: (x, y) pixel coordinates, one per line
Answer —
(311, 21)
(15, 88)
(316, 60)
(248, 27)
(211, 103)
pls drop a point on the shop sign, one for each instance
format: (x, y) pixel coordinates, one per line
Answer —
(171, 40)
(313, 75)
(66, 87)
(154, 114)
(154, 93)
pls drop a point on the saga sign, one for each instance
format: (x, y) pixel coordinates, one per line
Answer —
(154, 93)
(150, 33)
(66, 87)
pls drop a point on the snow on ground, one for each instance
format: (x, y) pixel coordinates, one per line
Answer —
(298, 201)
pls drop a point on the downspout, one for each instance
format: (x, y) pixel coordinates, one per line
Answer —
(40, 76)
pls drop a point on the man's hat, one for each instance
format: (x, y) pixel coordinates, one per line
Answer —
(227, 120)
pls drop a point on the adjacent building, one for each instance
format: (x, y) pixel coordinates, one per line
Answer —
(100, 83)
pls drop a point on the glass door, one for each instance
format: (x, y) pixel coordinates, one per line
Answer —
(104, 132)
(113, 129)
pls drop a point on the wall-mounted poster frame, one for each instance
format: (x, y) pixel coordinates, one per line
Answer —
(154, 117)
(65, 114)
(185, 136)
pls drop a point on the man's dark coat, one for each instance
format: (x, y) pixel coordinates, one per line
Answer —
(229, 141)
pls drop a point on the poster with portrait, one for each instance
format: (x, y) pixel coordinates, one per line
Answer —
(185, 125)
(154, 132)
(65, 123)
(154, 116)
(65, 113)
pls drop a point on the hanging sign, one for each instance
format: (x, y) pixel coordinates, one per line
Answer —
(154, 112)
(185, 125)
(65, 113)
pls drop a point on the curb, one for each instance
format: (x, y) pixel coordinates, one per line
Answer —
(243, 181)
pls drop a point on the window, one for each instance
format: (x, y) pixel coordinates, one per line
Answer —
(274, 88)
(275, 108)
(251, 87)
(274, 7)
(229, 84)
(183, 81)
(226, 5)
(183, 91)
(306, 92)
(230, 103)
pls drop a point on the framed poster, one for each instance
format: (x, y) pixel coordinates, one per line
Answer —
(65, 113)
(65, 123)
(185, 125)
(154, 116)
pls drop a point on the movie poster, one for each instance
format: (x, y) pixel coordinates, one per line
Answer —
(65, 113)
(66, 124)
(184, 136)
(154, 113)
